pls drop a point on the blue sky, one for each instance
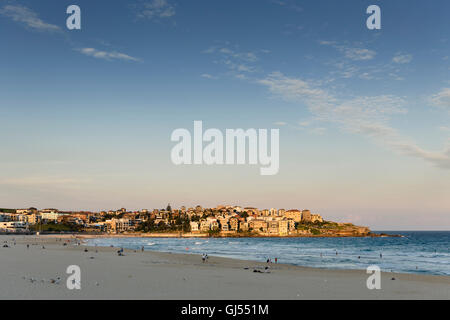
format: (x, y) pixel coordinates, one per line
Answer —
(363, 114)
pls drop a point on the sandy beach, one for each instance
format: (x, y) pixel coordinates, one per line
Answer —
(40, 273)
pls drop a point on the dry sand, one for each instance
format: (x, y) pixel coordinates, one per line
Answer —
(157, 275)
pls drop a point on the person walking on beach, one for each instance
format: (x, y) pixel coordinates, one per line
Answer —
(28, 246)
(276, 260)
(142, 249)
(204, 257)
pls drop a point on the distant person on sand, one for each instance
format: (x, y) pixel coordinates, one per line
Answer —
(204, 257)
(276, 260)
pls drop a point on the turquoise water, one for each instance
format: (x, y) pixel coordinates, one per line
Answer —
(423, 252)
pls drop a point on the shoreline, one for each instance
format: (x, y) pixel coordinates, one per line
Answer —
(163, 275)
(197, 235)
(256, 261)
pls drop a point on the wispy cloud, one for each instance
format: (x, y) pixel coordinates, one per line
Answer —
(107, 55)
(238, 62)
(208, 76)
(156, 9)
(402, 58)
(353, 53)
(359, 53)
(442, 98)
(288, 4)
(28, 18)
(366, 115)
(348, 64)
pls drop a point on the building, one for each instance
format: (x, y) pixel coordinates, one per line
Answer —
(273, 227)
(294, 214)
(258, 225)
(234, 224)
(50, 215)
(244, 226)
(205, 226)
(251, 211)
(306, 216)
(23, 211)
(215, 225)
(14, 226)
(224, 226)
(316, 217)
(119, 225)
(194, 226)
(283, 227)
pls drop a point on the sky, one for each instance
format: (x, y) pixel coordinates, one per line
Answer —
(363, 114)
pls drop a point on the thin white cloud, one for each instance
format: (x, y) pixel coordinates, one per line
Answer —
(327, 42)
(27, 17)
(352, 53)
(280, 123)
(208, 76)
(107, 55)
(442, 98)
(237, 62)
(402, 58)
(288, 4)
(368, 116)
(156, 9)
(359, 53)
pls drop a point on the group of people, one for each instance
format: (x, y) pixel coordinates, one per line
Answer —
(270, 260)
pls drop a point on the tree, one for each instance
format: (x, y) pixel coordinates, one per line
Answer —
(243, 214)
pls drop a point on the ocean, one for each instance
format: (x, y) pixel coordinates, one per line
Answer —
(422, 252)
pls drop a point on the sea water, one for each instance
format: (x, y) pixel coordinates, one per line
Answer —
(423, 252)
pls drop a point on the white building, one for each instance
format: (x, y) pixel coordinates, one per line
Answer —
(13, 226)
(194, 226)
